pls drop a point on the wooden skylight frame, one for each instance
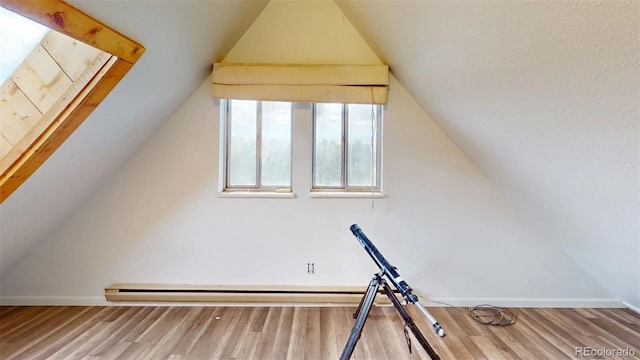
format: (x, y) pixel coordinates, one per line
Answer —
(64, 18)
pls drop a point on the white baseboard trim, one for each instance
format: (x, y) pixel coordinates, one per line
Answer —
(431, 302)
(53, 301)
(631, 307)
(526, 302)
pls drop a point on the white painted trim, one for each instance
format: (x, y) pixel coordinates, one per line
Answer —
(257, 194)
(433, 302)
(633, 308)
(53, 301)
(346, 194)
(526, 302)
(222, 158)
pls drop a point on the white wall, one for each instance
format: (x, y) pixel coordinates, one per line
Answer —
(129, 116)
(159, 220)
(302, 32)
(543, 97)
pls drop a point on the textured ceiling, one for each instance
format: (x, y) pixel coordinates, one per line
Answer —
(543, 97)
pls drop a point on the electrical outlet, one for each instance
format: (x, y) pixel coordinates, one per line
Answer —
(311, 268)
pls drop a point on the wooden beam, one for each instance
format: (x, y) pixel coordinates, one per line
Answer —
(16, 111)
(16, 104)
(62, 127)
(92, 75)
(5, 146)
(64, 18)
(41, 79)
(70, 54)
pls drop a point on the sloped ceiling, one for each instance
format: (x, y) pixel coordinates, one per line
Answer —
(543, 97)
(183, 39)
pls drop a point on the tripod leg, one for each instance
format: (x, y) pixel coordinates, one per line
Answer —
(357, 312)
(409, 322)
(363, 312)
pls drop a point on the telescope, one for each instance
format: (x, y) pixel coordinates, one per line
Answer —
(388, 274)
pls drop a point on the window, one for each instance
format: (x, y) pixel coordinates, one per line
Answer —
(257, 145)
(346, 147)
(18, 37)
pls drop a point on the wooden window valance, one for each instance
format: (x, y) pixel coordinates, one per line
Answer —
(353, 84)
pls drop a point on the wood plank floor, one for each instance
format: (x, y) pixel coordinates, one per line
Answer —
(149, 332)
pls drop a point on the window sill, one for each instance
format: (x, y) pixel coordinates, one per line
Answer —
(257, 194)
(347, 194)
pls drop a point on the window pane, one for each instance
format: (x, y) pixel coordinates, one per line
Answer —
(242, 142)
(328, 145)
(276, 143)
(18, 37)
(361, 148)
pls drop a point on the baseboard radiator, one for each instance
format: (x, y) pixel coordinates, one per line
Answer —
(239, 294)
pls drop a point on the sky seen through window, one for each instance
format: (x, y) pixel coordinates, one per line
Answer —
(18, 37)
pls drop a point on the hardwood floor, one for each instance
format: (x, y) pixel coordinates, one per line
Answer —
(302, 333)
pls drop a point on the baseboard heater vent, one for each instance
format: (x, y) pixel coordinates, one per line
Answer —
(240, 294)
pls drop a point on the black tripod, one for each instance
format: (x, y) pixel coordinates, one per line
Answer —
(363, 311)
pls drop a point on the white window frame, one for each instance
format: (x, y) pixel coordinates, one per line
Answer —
(257, 190)
(344, 187)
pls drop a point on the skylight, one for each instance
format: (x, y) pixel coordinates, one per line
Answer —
(18, 36)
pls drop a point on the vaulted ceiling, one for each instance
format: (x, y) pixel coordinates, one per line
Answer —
(542, 96)
(182, 40)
